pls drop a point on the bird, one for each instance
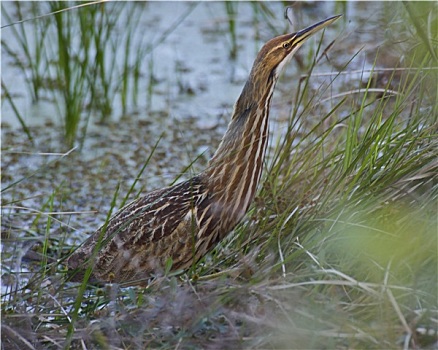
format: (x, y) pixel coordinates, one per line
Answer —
(180, 224)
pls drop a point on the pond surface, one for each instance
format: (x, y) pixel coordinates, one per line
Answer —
(189, 59)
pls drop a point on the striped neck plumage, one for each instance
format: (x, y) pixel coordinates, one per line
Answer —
(235, 169)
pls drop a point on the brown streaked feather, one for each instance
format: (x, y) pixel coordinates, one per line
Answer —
(138, 240)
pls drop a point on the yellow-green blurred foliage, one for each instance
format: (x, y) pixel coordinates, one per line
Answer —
(394, 244)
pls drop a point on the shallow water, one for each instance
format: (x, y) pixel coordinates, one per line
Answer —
(193, 74)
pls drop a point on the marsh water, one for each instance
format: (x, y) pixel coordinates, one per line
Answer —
(188, 83)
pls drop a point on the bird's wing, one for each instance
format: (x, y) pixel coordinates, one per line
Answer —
(158, 226)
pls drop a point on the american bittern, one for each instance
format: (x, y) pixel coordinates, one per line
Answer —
(184, 222)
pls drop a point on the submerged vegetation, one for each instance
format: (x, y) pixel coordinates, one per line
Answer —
(339, 249)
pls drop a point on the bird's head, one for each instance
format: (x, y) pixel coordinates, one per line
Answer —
(278, 51)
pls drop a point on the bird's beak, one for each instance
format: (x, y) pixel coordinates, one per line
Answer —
(303, 34)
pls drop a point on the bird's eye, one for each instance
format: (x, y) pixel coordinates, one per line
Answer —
(286, 45)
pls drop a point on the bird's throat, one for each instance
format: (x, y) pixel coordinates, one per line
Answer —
(235, 169)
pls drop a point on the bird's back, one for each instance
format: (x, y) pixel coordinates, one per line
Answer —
(177, 223)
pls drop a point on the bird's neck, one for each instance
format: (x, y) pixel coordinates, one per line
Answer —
(235, 169)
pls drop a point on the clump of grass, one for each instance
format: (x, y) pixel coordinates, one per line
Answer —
(83, 76)
(350, 210)
(91, 72)
(70, 73)
(339, 250)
